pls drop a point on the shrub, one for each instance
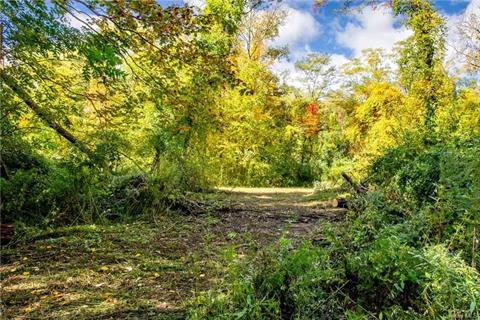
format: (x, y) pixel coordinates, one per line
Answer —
(456, 217)
(63, 193)
(281, 282)
(408, 173)
(450, 289)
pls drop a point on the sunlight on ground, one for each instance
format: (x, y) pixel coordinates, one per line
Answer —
(146, 270)
(267, 190)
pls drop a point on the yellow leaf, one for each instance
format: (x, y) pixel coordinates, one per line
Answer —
(26, 273)
(156, 274)
(93, 249)
(106, 295)
(104, 268)
(25, 259)
(28, 309)
(23, 123)
(138, 255)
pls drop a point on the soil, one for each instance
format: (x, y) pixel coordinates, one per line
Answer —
(270, 212)
(151, 270)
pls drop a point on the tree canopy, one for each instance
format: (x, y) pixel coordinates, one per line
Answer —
(114, 111)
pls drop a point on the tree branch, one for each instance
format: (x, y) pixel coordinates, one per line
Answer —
(44, 115)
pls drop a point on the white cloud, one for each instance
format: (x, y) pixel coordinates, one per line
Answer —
(473, 7)
(299, 28)
(338, 60)
(199, 4)
(371, 28)
(454, 42)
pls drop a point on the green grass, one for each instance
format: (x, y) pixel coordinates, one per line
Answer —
(118, 271)
(326, 195)
(140, 270)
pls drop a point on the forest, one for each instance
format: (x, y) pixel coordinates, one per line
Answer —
(156, 165)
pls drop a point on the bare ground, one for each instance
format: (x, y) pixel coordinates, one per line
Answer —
(151, 270)
(269, 212)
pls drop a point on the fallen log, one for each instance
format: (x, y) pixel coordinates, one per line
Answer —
(357, 187)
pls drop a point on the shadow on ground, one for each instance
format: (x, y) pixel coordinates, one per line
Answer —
(150, 270)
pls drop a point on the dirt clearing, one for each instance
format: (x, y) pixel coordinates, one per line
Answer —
(150, 270)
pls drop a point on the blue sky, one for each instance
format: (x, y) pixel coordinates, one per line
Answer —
(331, 23)
(345, 35)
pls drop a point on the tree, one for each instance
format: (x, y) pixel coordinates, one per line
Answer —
(421, 55)
(470, 32)
(257, 27)
(318, 74)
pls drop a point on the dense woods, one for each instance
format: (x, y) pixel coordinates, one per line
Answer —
(121, 111)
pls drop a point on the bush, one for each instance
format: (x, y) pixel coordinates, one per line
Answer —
(404, 252)
(393, 278)
(281, 282)
(383, 274)
(456, 217)
(386, 278)
(408, 173)
(451, 289)
(63, 193)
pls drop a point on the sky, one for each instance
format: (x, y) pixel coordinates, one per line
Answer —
(343, 36)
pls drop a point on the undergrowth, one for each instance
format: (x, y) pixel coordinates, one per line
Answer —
(407, 250)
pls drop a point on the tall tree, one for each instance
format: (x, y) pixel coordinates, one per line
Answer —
(422, 54)
(470, 48)
(257, 27)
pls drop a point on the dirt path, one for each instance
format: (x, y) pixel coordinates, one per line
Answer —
(269, 212)
(150, 270)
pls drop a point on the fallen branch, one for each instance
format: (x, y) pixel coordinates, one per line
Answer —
(357, 187)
